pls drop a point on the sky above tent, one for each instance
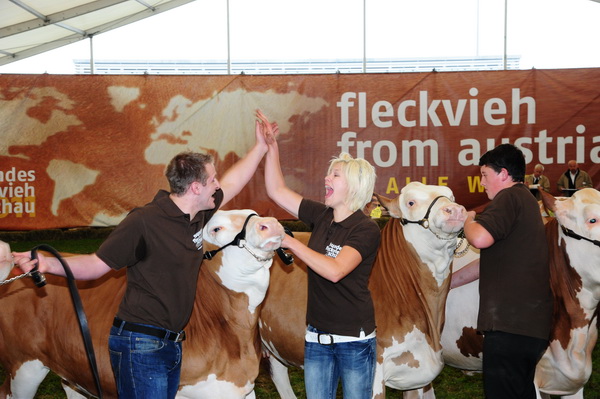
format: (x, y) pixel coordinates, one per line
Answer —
(543, 33)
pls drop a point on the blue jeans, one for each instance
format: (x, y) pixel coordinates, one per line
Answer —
(144, 366)
(353, 362)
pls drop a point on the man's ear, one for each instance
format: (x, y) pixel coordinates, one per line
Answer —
(196, 187)
(504, 174)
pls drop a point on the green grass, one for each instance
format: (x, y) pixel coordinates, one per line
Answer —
(450, 384)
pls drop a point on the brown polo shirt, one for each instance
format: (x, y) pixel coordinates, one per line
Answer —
(162, 250)
(345, 307)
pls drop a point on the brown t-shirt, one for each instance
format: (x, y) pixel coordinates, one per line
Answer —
(345, 307)
(514, 284)
(162, 250)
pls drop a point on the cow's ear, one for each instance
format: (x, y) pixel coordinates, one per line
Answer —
(392, 205)
(548, 201)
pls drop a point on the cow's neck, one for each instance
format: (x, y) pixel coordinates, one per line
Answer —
(575, 306)
(435, 253)
(222, 334)
(401, 281)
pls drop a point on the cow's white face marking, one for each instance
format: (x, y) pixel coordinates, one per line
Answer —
(214, 388)
(245, 270)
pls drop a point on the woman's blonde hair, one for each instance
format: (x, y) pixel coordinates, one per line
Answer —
(360, 175)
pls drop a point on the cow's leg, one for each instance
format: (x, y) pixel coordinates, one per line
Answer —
(281, 379)
(27, 379)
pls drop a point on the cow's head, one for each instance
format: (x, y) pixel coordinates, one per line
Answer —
(6, 260)
(579, 213)
(431, 223)
(243, 264)
(431, 207)
(579, 220)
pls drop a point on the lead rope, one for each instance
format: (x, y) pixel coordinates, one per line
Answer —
(40, 281)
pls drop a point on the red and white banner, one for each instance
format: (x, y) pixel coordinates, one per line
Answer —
(84, 150)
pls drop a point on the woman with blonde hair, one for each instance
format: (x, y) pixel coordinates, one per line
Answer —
(340, 336)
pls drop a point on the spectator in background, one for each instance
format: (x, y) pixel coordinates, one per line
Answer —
(573, 179)
(538, 180)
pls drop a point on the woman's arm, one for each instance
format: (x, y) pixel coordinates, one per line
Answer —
(333, 269)
(277, 190)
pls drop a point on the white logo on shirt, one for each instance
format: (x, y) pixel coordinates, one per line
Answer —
(197, 239)
(332, 250)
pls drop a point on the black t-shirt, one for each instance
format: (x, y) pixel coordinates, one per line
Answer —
(345, 307)
(162, 250)
(514, 285)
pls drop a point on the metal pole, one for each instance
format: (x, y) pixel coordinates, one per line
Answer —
(505, 30)
(228, 43)
(91, 54)
(477, 43)
(364, 36)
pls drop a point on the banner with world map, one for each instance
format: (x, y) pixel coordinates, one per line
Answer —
(83, 150)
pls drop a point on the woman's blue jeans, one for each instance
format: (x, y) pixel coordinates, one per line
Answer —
(353, 362)
(144, 366)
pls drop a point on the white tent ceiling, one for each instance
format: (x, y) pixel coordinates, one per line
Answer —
(30, 27)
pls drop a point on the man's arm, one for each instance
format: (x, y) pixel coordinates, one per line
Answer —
(84, 267)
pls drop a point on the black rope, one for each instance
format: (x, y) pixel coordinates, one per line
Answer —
(237, 240)
(40, 281)
(425, 221)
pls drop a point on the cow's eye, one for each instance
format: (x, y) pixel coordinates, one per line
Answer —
(592, 221)
(216, 229)
(263, 227)
(411, 203)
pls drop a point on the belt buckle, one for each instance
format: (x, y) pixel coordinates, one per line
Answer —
(180, 336)
(326, 335)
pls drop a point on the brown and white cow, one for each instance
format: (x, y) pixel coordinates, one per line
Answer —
(409, 284)
(575, 279)
(39, 331)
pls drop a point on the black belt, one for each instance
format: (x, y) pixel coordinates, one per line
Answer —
(155, 332)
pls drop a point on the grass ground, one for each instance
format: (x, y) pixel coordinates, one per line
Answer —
(450, 384)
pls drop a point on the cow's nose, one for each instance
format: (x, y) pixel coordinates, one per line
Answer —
(270, 225)
(455, 211)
